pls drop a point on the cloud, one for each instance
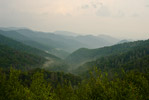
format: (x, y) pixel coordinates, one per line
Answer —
(103, 11)
(146, 3)
(120, 14)
(85, 6)
(96, 4)
(84, 16)
(135, 15)
(147, 6)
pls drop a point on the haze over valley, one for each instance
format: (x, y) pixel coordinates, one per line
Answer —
(74, 50)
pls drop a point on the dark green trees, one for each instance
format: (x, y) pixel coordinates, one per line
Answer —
(128, 86)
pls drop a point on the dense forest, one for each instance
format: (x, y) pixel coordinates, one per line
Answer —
(136, 58)
(27, 72)
(20, 60)
(84, 54)
(17, 85)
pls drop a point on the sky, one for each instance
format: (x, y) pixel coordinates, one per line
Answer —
(117, 18)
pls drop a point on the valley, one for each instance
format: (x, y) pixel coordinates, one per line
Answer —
(74, 49)
(48, 66)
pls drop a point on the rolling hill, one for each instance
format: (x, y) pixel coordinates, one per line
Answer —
(59, 43)
(22, 47)
(28, 40)
(136, 59)
(19, 60)
(25, 40)
(49, 62)
(84, 55)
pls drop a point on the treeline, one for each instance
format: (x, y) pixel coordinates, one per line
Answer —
(37, 85)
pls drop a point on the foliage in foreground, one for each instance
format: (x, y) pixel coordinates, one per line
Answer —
(128, 86)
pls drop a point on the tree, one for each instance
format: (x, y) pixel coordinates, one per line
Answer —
(40, 88)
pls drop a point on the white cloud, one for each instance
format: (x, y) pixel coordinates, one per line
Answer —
(85, 6)
(120, 14)
(103, 11)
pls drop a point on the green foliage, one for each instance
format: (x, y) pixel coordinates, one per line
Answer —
(12, 89)
(65, 92)
(129, 86)
(58, 66)
(40, 88)
(123, 75)
(19, 60)
(54, 78)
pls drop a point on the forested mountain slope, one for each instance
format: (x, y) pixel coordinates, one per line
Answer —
(83, 55)
(119, 72)
(52, 62)
(61, 42)
(19, 60)
(58, 44)
(136, 58)
(34, 42)
(22, 47)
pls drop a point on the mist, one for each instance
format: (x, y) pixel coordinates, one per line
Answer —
(117, 18)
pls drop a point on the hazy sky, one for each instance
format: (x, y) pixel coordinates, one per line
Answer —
(119, 18)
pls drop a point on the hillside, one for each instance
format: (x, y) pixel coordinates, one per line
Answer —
(68, 43)
(84, 55)
(52, 62)
(59, 43)
(22, 47)
(136, 59)
(19, 60)
(52, 40)
(23, 39)
(35, 43)
(106, 82)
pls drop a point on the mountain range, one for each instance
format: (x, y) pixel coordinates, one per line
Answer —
(57, 43)
(63, 52)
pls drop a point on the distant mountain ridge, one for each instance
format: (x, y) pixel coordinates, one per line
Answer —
(123, 41)
(22, 47)
(66, 33)
(11, 28)
(11, 52)
(90, 41)
(28, 40)
(60, 45)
